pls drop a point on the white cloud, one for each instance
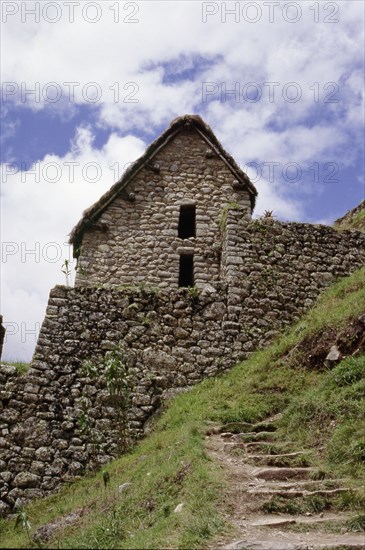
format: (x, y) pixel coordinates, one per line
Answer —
(127, 61)
(37, 216)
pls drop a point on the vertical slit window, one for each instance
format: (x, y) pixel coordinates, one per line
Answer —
(186, 273)
(187, 221)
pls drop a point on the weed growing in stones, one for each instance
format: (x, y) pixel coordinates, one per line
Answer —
(22, 520)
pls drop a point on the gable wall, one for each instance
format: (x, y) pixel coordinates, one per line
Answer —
(141, 242)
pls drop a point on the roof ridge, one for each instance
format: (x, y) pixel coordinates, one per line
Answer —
(91, 214)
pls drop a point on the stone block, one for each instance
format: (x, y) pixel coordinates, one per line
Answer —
(24, 480)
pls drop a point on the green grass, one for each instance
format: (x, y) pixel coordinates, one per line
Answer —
(358, 220)
(332, 414)
(171, 465)
(355, 221)
(21, 367)
(357, 523)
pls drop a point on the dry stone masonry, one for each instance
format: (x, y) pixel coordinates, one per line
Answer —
(162, 222)
(174, 322)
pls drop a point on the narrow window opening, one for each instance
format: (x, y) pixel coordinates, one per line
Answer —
(186, 275)
(187, 221)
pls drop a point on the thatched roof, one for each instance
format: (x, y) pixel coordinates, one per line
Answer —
(91, 215)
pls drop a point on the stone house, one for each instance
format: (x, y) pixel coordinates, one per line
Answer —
(161, 223)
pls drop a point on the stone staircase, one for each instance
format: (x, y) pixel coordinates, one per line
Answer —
(275, 496)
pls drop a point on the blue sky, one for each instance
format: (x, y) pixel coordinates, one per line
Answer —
(281, 85)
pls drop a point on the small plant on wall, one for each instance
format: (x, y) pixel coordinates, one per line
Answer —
(116, 376)
(23, 521)
(224, 214)
(115, 372)
(66, 271)
(194, 293)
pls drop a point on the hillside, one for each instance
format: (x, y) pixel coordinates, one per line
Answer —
(354, 219)
(298, 404)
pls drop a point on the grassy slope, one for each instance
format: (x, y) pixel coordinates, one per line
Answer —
(321, 408)
(354, 219)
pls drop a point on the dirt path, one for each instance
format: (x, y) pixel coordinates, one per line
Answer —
(272, 497)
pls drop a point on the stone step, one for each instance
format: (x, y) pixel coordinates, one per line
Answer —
(263, 427)
(308, 484)
(281, 474)
(273, 522)
(226, 435)
(292, 493)
(247, 428)
(275, 418)
(272, 448)
(293, 454)
(254, 436)
(285, 520)
(281, 460)
(236, 427)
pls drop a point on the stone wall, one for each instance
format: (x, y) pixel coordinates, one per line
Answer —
(275, 271)
(138, 241)
(56, 421)
(171, 340)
